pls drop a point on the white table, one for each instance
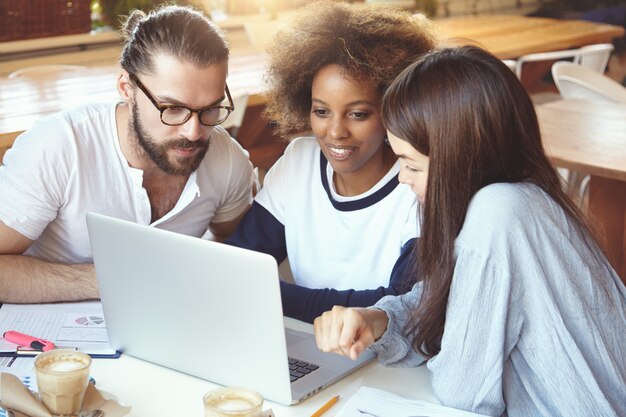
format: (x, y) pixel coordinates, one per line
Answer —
(155, 391)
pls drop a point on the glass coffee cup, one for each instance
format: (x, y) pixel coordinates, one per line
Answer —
(232, 402)
(62, 378)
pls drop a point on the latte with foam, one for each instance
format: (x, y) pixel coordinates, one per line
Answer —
(232, 402)
(62, 378)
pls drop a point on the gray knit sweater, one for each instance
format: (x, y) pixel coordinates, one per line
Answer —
(535, 322)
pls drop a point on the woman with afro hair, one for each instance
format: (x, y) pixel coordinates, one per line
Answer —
(332, 203)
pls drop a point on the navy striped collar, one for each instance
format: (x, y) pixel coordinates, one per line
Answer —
(359, 204)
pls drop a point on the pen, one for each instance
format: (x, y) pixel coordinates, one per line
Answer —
(30, 341)
(326, 406)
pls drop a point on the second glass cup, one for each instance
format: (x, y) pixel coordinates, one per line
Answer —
(232, 402)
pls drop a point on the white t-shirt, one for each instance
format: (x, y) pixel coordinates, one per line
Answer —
(334, 241)
(71, 163)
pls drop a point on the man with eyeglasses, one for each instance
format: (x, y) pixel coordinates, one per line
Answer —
(158, 158)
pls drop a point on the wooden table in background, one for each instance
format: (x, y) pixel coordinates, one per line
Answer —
(25, 100)
(506, 36)
(590, 137)
(22, 102)
(511, 36)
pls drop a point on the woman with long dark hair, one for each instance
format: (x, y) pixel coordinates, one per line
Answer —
(518, 313)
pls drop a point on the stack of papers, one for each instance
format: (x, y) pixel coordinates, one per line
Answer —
(372, 402)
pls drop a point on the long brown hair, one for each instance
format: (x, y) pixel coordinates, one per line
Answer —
(465, 110)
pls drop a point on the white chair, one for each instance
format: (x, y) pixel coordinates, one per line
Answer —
(595, 57)
(511, 63)
(39, 71)
(576, 81)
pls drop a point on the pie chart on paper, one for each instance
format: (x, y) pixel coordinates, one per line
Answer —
(89, 320)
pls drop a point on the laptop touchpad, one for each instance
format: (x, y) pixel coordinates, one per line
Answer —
(295, 337)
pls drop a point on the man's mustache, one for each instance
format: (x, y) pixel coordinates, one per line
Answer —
(187, 144)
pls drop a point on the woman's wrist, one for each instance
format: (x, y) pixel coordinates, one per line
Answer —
(378, 320)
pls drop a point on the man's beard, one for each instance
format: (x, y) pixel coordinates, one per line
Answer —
(144, 144)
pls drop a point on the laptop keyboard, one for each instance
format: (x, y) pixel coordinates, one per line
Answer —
(298, 369)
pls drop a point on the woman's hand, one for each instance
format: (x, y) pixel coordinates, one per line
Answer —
(349, 331)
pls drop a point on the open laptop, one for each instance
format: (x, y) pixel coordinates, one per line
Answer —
(206, 309)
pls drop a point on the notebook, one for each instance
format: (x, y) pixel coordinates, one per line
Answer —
(206, 309)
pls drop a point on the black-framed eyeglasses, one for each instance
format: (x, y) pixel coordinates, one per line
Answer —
(174, 115)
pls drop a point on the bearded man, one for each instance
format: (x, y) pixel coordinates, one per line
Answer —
(158, 157)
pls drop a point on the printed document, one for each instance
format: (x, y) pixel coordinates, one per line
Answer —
(372, 402)
(68, 325)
